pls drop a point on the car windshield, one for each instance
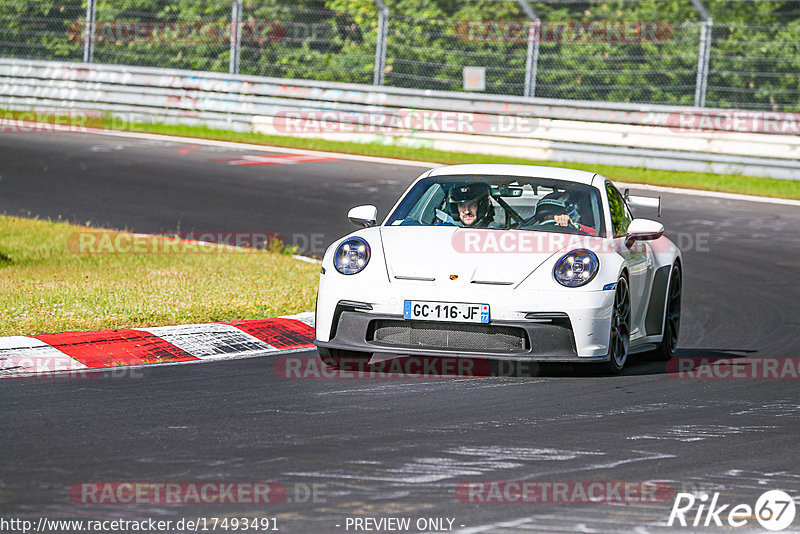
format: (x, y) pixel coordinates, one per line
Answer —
(501, 202)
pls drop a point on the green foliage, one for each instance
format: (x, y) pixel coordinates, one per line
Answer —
(754, 58)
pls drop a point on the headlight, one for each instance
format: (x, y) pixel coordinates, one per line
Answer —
(352, 255)
(576, 268)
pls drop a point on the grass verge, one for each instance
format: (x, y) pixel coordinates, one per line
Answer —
(729, 183)
(48, 285)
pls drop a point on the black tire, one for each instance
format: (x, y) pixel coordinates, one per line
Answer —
(620, 335)
(672, 318)
(342, 359)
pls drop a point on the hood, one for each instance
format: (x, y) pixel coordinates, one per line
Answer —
(502, 258)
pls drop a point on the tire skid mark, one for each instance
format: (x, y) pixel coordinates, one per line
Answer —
(278, 332)
(112, 348)
(210, 340)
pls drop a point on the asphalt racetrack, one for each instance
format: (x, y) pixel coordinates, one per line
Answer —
(396, 448)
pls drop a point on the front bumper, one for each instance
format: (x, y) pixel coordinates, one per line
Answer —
(549, 337)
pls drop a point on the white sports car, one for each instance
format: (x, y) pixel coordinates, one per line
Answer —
(516, 262)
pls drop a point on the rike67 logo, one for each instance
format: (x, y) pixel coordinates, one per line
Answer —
(774, 510)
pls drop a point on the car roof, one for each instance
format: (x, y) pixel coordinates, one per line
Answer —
(533, 171)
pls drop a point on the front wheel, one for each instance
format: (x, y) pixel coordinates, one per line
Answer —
(344, 359)
(620, 336)
(672, 320)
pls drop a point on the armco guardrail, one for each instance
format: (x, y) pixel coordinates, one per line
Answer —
(665, 137)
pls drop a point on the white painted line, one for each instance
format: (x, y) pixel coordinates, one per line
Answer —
(211, 340)
(306, 259)
(412, 163)
(264, 148)
(22, 356)
(305, 317)
(426, 164)
(219, 245)
(711, 194)
(19, 342)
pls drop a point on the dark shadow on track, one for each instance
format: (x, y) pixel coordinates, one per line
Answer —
(429, 367)
(643, 363)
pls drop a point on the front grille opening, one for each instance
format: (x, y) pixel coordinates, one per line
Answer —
(448, 336)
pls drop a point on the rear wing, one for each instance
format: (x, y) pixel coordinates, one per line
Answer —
(642, 202)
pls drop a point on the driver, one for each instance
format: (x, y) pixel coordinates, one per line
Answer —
(472, 204)
(559, 208)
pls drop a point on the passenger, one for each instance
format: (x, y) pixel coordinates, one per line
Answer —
(558, 207)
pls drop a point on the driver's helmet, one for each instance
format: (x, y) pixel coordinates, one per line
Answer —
(558, 203)
(472, 192)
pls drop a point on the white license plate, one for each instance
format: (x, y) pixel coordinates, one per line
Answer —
(458, 312)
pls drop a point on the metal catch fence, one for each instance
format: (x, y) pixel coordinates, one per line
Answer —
(705, 53)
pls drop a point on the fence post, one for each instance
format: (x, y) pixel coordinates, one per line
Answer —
(532, 57)
(704, 58)
(380, 45)
(532, 62)
(703, 54)
(88, 41)
(236, 36)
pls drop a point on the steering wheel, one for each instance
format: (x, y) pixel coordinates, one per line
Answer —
(549, 222)
(530, 222)
(553, 222)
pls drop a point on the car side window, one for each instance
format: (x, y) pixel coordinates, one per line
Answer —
(424, 210)
(620, 215)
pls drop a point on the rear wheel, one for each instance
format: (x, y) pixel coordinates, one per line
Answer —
(619, 339)
(672, 320)
(344, 359)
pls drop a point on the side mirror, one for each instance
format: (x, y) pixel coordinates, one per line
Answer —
(643, 230)
(365, 216)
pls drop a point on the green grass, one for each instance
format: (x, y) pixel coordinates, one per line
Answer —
(47, 284)
(729, 183)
